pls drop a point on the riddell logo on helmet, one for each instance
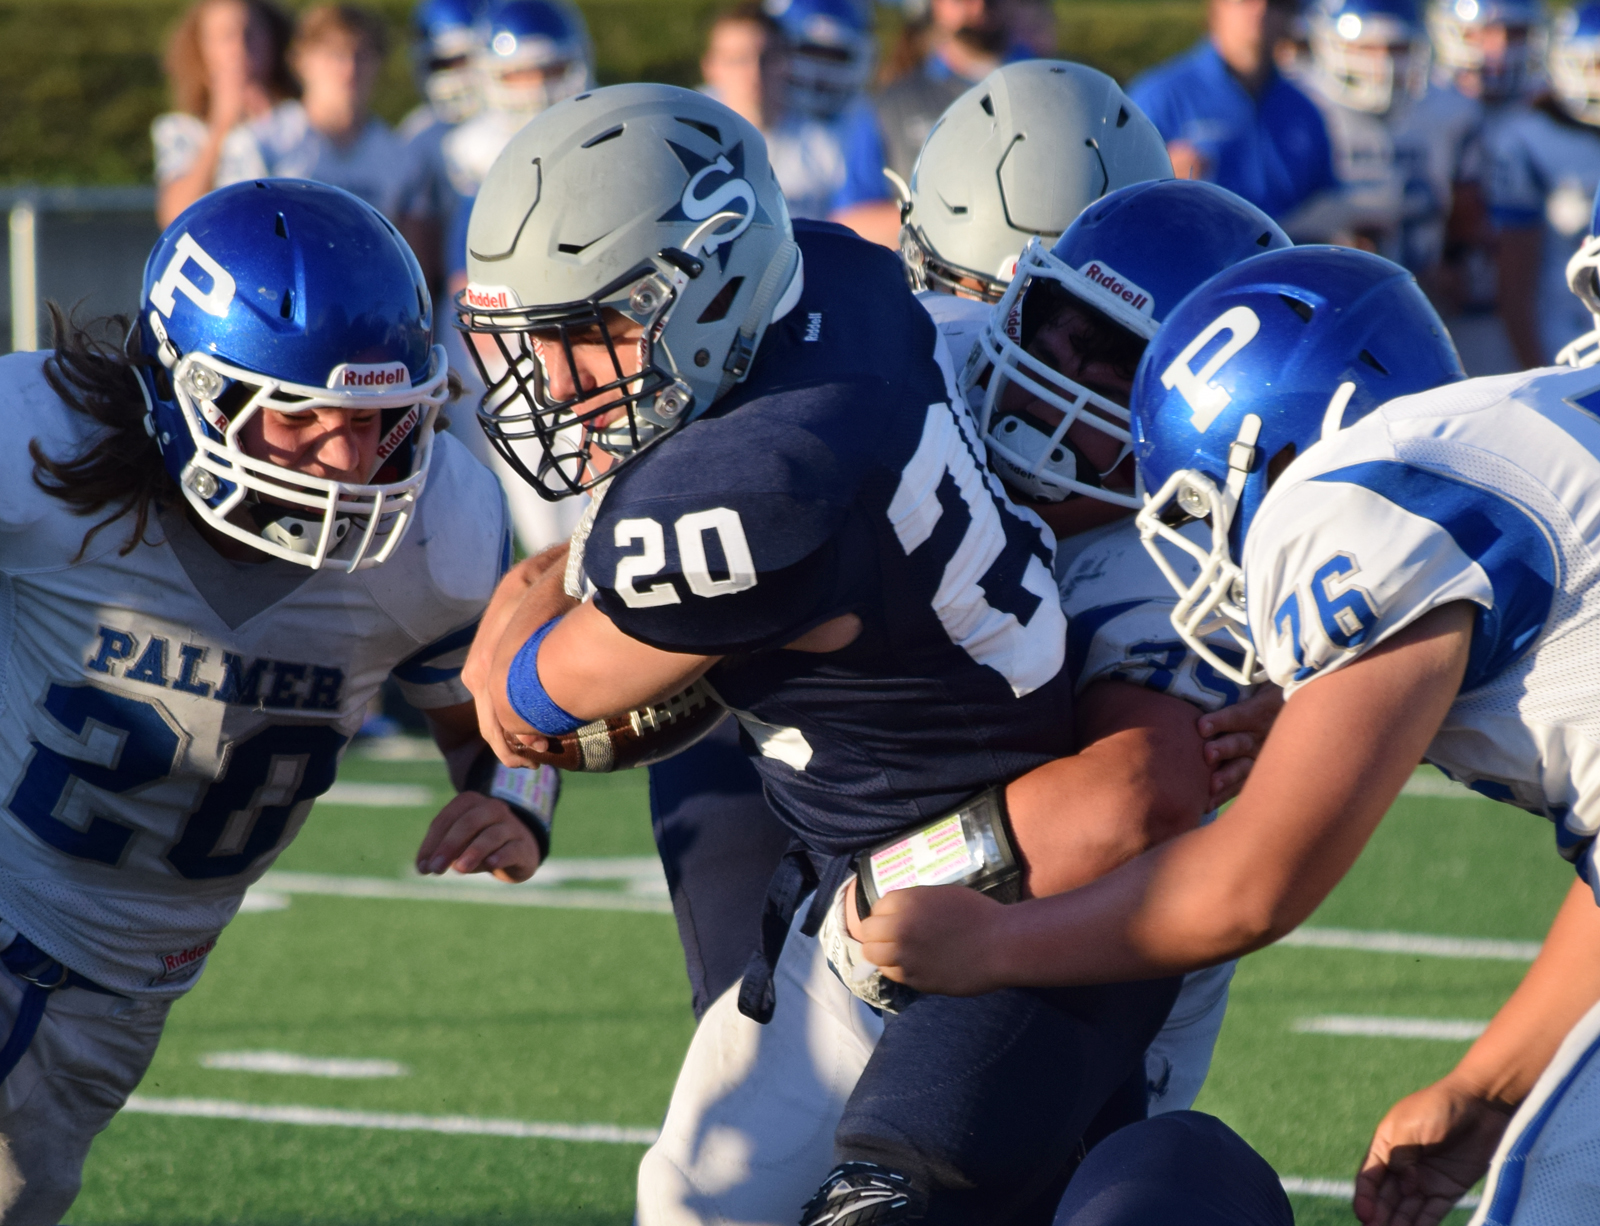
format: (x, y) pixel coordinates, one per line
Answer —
(377, 377)
(491, 297)
(1109, 279)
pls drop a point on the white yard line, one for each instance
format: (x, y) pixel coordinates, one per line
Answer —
(378, 795)
(457, 1125)
(302, 1066)
(1413, 943)
(1344, 1189)
(436, 889)
(476, 1126)
(1431, 783)
(1455, 1030)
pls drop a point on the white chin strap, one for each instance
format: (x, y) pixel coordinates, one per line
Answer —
(1582, 270)
(1212, 605)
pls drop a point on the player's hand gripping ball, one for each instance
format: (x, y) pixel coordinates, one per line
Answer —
(643, 736)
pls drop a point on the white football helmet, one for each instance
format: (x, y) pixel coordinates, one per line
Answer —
(1575, 62)
(1369, 54)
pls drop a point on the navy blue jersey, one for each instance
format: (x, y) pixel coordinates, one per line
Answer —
(843, 477)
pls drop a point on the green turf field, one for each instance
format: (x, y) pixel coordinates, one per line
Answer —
(578, 1016)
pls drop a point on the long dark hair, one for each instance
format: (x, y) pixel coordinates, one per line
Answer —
(121, 466)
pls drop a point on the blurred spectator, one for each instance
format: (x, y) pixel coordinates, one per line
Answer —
(1229, 116)
(337, 53)
(228, 72)
(533, 54)
(446, 37)
(1545, 166)
(793, 87)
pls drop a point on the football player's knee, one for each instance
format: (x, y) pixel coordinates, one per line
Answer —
(864, 1194)
(663, 1192)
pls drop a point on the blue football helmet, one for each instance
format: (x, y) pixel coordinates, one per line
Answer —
(830, 53)
(527, 36)
(288, 295)
(446, 35)
(1498, 72)
(1583, 279)
(1369, 52)
(1130, 257)
(1267, 357)
(1574, 62)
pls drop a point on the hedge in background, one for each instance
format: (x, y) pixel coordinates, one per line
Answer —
(80, 80)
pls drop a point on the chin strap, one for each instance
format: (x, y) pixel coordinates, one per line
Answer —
(1242, 457)
(780, 275)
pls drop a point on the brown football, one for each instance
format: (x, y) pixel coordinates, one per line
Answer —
(648, 734)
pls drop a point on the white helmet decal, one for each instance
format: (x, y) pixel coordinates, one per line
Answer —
(214, 301)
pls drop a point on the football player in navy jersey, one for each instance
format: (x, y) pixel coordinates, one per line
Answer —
(217, 543)
(796, 510)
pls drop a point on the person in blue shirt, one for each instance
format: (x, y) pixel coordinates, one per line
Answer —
(1228, 116)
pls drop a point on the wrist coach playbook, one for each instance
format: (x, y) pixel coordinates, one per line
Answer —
(970, 846)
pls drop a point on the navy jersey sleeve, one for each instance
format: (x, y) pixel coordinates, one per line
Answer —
(725, 537)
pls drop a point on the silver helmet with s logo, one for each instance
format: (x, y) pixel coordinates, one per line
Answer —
(626, 254)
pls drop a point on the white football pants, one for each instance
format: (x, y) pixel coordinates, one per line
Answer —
(1546, 1171)
(87, 1057)
(749, 1132)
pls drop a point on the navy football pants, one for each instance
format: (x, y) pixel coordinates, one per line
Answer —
(1179, 1169)
(983, 1101)
(720, 844)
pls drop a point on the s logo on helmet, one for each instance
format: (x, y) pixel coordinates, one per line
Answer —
(174, 279)
(698, 208)
(717, 186)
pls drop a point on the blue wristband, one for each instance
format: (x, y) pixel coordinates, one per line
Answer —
(526, 692)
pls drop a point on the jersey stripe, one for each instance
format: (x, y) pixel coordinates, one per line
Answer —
(1501, 536)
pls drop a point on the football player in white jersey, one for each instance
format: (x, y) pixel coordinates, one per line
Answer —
(1421, 577)
(215, 546)
(1545, 164)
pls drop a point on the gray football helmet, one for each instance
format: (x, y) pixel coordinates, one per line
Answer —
(642, 203)
(1019, 154)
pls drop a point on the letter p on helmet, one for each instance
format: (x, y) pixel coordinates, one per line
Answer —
(1204, 398)
(214, 301)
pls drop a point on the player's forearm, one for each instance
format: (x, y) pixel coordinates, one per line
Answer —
(590, 669)
(1264, 866)
(1139, 779)
(1562, 985)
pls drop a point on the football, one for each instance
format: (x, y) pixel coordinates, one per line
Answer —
(643, 736)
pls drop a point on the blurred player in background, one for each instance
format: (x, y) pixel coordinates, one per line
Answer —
(791, 89)
(446, 37)
(228, 73)
(1545, 166)
(218, 543)
(532, 53)
(1491, 52)
(1368, 73)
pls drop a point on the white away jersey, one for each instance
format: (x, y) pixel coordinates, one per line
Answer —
(1487, 491)
(155, 760)
(1119, 617)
